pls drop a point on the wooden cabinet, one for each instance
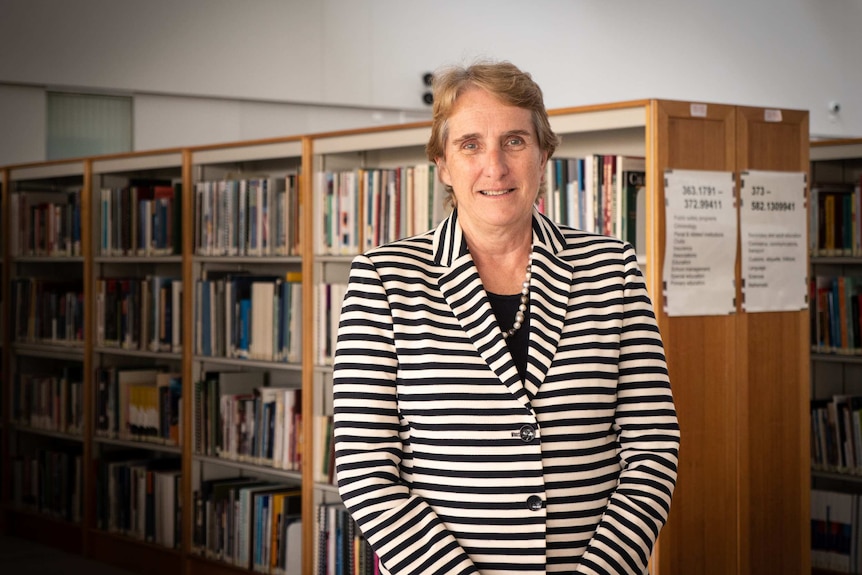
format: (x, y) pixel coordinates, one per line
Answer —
(740, 381)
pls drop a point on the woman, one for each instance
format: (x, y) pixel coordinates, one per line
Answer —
(502, 402)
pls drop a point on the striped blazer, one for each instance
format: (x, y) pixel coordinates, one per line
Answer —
(444, 461)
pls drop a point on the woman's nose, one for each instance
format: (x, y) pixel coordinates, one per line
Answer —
(496, 163)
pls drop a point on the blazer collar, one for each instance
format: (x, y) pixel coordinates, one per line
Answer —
(550, 288)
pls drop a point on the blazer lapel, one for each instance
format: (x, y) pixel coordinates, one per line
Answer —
(462, 288)
(549, 291)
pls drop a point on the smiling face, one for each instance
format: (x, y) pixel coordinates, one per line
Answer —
(493, 162)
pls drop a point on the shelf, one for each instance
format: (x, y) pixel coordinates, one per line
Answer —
(253, 260)
(47, 530)
(837, 476)
(326, 487)
(833, 260)
(46, 433)
(134, 260)
(138, 353)
(139, 444)
(69, 351)
(836, 357)
(199, 565)
(133, 554)
(249, 466)
(248, 363)
(47, 260)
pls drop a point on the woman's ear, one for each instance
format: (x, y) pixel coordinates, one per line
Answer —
(443, 171)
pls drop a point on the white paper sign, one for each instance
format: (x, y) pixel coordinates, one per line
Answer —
(773, 236)
(700, 243)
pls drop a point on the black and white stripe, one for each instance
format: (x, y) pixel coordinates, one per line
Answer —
(429, 411)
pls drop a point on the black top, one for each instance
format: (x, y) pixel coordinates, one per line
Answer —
(505, 307)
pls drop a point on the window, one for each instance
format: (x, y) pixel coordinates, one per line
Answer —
(87, 125)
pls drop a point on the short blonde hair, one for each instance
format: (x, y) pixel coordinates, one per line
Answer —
(501, 79)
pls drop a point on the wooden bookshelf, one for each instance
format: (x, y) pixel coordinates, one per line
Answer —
(54, 179)
(740, 381)
(276, 163)
(133, 197)
(836, 368)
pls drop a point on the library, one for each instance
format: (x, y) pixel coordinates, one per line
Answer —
(185, 186)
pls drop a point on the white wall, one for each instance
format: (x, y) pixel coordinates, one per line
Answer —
(289, 59)
(22, 124)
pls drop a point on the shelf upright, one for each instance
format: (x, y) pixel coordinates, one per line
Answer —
(5, 404)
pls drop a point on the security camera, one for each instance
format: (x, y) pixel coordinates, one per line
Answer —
(834, 107)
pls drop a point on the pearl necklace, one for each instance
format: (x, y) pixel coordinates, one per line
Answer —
(522, 306)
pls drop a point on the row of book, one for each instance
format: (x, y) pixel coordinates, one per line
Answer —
(142, 219)
(362, 208)
(836, 434)
(52, 402)
(250, 523)
(47, 311)
(248, 217)
(142, 314)
(327, 314)
(45, 223)
(139, 404)
(835, 220)
(248, 316)
(140, 498)
(836, 531)
(324, 449)
(835, 314)
(238, 417)
(340, 545)
(598, 193)
(49, 481)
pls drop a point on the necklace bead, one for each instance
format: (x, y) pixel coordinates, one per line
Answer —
(520, 315)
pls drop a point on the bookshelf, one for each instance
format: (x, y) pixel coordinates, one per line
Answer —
(836, 366)
(44, 352)
(743, 406)
(247, 269)
(136, 451)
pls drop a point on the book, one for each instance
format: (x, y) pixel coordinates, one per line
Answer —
(833, 530)
(631, 192)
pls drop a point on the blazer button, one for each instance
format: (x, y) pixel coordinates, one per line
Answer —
(527, 434)
(534, 503)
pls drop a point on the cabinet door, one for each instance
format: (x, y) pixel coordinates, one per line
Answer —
(773, 409)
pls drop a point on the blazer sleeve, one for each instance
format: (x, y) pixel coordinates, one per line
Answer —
(402, 529)
(646, 421)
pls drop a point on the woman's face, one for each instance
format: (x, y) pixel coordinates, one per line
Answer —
(492, 161)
